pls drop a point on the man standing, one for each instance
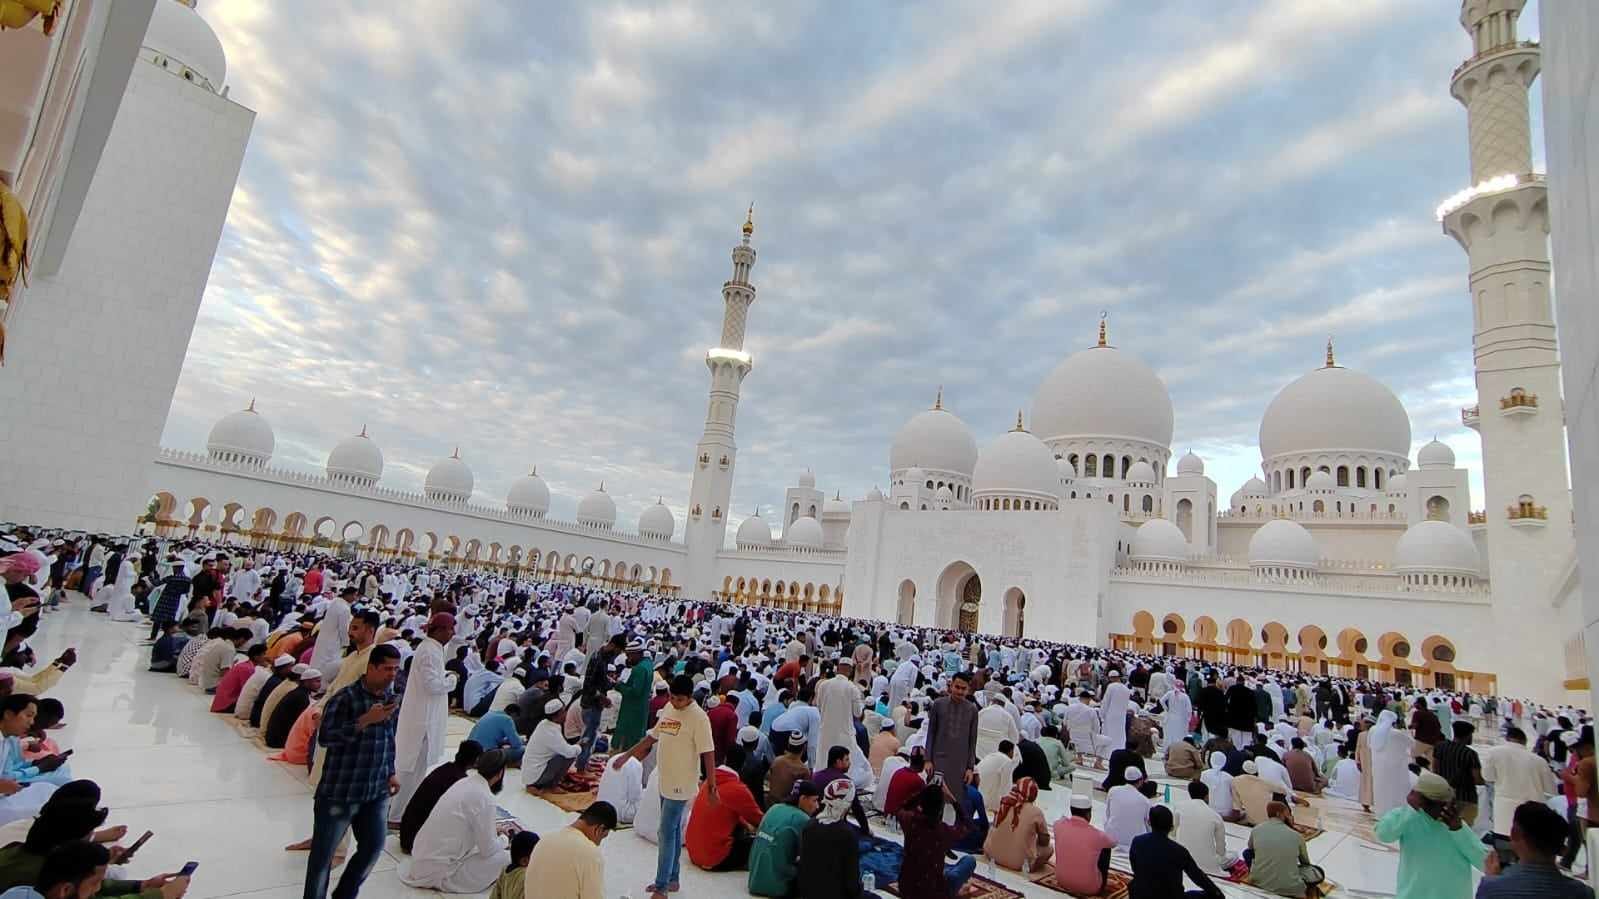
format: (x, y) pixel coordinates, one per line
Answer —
(357, 733)
(1455, 761)
(247, 582)
(594, 697)
(1436, 849)
(333, 635)
(636, 688)
(839, 702)
(952, 733)
(1517, 776)
(1113, 713)
(419, 739)
(684, 734)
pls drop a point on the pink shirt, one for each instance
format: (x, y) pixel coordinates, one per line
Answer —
(1077, 848)
(231, 685)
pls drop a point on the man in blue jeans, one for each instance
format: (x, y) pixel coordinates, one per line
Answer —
(594, 698)
(357, 733)
(683, 733)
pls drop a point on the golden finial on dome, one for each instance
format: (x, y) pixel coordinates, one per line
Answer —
(749, 221)
(1102, 329)
(938, 402)
(1018, 421)
(535, 472)
(251, 407)
(1330, 362)
(363, 429)
(602, 486)
(457, 453)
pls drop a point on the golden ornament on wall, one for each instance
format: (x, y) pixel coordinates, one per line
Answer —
(18, 13)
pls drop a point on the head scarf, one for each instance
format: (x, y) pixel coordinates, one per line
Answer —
(1383, 731)
(836, 799)
(25, 564)
(1024, 791)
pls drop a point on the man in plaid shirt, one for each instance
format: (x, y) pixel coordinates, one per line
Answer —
(357, 733)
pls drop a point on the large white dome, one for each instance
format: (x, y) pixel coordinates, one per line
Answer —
(1435, 454)
(1158, 540)
(597, 510)
(357, 458)
(805, 533)
(657, 521)
(245, 435)
(177, 32)
(1283, 542)
(449, 479)
(529, 494)
(934, 439)
(753, 532)
(1437, 547)
(1335, 408)
(1016, 463)
(1103, 392)
(1397, 483)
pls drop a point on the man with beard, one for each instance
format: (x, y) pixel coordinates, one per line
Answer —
(460, 848)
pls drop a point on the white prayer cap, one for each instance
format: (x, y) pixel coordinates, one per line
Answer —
(282, 660)
(1132, 775)
(311, 673)
(300, 670)
(749, 734)
(1081, 801)
(552, 707)
(1251, 768)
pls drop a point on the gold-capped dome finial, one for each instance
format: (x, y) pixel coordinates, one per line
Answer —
(1102, 341)
(1018, 421)
(251, 407)
(938, 401)
(457, 453)
(1330, 362)
(363, 429)
(749, 221)
(534, 473)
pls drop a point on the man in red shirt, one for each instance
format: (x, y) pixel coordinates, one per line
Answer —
(313, 580)
(724, 723)
(906, 783)
(721, 830)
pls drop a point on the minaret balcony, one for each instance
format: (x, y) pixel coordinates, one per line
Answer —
(1477, 517)
(1525, 514)
(1493, 51)
(1518, 403)
(1470, 417)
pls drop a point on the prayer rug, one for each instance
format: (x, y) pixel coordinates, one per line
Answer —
(1306, 831)
(1116, 885)
(977, 887)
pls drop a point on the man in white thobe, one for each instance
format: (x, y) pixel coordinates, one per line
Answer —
(994, 725)
(1517, 776)
(333, 635)
(424, 712)
(838, 699)
(1113, 714)
(597, 631)
(460, 848)
(1081, 720)
(246, 582)
(1179, 712)
(903, 682)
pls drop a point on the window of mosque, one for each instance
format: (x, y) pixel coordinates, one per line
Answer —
(1091, 467)
(1149, 503)
(1290, 480)
(1127, 464)
(1376, 478)
(1343, 476)
(1402, 650)
(1318, 507)
(1360, 476)
(1443, 653)
(1360, 645)
(1437, 509)
(1127, 502)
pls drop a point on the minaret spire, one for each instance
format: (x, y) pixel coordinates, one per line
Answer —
(938, 402)
(1330, 362)
(1102, 329)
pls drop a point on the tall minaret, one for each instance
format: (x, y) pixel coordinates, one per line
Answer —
(714, 457)
(1502, 221)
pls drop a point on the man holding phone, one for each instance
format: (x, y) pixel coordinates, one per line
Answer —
(1537, 835)
(357, 734)
(1436, 850)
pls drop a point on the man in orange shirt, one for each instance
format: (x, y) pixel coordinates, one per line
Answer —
(720, 833)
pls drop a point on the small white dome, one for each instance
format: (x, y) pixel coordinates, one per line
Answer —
(1103, 392)
(244, 433)
(934, 438)
(944, 494)
(177, 32)
(1141, 473)
(1396, 484)
(874, 495)
(753, 531)
(1068, 471)
(1435, 455)
(1320, 480)
(597, 510)
(1254, 487)
(807, 479)
(1334, 408)
(1436, 547)
(357, 458)
(1283, 542)
(1190, 465)
(805, 533)
(449, 479)
(835, 508)
(1016, 463)
(914, 475)
(529, 494)
(1158, 540)
(657, 521)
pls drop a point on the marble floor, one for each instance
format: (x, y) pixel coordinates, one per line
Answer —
(206, 789)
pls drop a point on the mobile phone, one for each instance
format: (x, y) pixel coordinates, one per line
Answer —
(1507, 855)
(68, 752)
(188, 869)
(137, 843)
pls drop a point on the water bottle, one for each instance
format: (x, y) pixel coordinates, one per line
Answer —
(1027, 866)
(989, 864)
(869, 881)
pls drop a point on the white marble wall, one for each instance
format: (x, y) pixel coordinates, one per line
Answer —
(94, 352)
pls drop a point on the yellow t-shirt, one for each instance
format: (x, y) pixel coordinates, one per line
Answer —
(681, 736)
(565, 864)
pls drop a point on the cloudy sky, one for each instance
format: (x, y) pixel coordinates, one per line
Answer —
(508, 229)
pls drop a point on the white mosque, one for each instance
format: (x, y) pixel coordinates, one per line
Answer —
(1344, 555)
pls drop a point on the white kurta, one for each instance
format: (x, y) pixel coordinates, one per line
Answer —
(424, 712)
(1081, 720)
(120, 606)
(623, 789)
(1179, 712)
(1113, 716)
(994, 723)
(839, 702)
(331, 638)
(1390, 768)
(458, 850)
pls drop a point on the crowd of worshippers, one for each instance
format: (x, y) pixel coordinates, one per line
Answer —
(55, 841)
(763, 740)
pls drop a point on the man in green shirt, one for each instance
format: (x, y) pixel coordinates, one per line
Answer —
(1436, 850)
(774, 857)
(1279, 862)
(1060, 760)
(636, 690)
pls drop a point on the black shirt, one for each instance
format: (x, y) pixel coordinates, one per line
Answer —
(1458, 764)
(284, 715)
(1159, 864)
(831, 862)
(427, 795)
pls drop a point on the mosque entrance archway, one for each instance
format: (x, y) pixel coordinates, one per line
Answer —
(960, 597)
(906, 612)
(1015, 612)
